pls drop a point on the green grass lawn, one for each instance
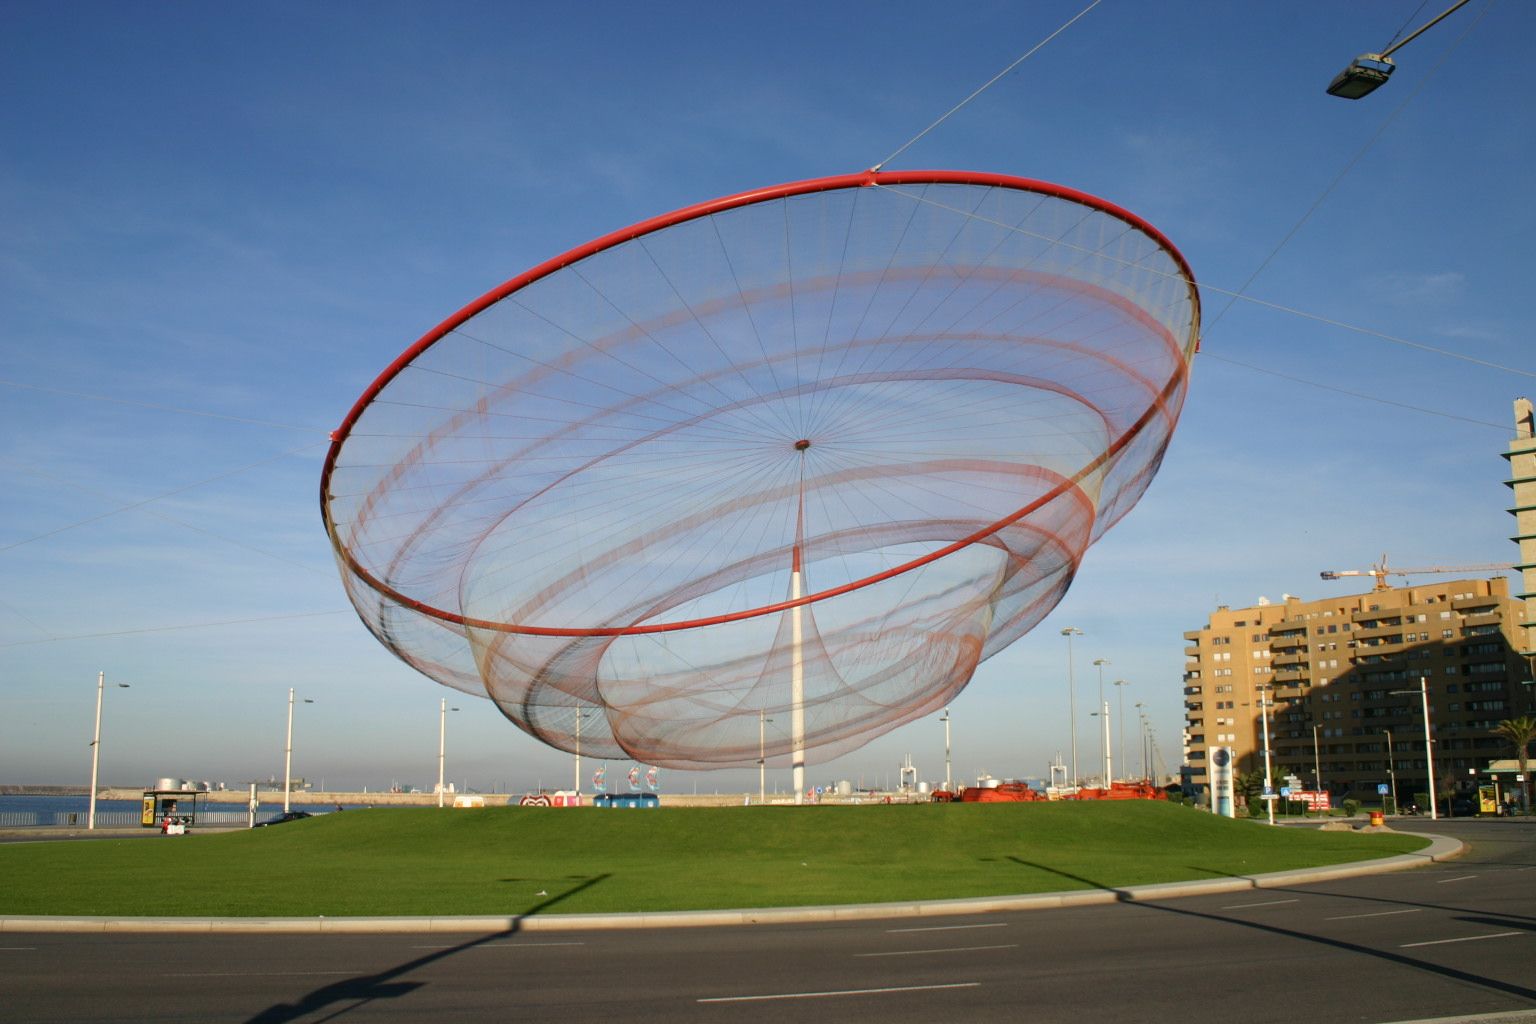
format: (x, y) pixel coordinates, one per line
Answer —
(498, 860)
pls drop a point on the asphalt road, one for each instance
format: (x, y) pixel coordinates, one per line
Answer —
(1447, 941)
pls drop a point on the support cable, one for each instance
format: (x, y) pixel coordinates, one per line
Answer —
(987, 85)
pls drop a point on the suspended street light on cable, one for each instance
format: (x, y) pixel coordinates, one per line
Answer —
(1369, 71)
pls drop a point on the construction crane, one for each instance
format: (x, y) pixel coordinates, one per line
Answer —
(1380, 571)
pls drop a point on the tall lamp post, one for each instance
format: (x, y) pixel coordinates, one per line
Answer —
(581, 713)
(1391, 771)
(442, 744)
(1125, 766)
(1269, 782)
(1099, 664)
(762, 756)
(1317, 761)
(945, 719)
(1429, 753)
(101, 686)
(1142, 739)
(1069, 632)
(1103, 715)
(288, 752)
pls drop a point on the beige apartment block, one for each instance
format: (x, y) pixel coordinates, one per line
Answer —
(1332, 672)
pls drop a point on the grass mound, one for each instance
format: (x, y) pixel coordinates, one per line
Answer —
(516, 860)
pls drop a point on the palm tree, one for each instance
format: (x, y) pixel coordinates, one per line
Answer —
(1520, 732)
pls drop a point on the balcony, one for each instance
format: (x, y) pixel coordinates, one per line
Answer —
(1480, 605)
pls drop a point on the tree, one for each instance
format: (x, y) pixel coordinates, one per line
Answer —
(1520, 732)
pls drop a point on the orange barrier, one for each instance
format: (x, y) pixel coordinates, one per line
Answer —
(1006, 793)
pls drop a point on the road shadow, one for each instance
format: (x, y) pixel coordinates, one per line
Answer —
(1300, 935)
(342, 997)
(1384, 900)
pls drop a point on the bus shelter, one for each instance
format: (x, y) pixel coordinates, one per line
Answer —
(172, 811)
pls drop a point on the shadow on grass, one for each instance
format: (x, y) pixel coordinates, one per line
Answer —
(363, 989)
(1482, 981)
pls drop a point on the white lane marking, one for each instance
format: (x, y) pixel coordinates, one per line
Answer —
(1379, 913)
(950, 949)
(269, 974)
(16, 949)
(838, 992)
(1465, 938)
(1459, 878)
(945, 928)
(1267, 903)
(502, 945)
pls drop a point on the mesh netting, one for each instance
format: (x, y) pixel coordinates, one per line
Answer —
(803, 457)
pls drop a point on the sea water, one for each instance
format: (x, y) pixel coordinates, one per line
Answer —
(25, 811)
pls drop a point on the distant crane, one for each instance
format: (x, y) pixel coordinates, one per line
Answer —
(1380, 571)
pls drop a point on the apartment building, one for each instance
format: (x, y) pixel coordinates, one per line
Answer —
(1337, 680)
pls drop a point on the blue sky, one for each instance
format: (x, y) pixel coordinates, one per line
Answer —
(221, 224)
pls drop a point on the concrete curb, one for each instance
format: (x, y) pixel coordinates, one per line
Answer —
(1441, 848)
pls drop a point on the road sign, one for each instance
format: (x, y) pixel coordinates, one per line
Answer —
(1382, 789)
(1285, 791)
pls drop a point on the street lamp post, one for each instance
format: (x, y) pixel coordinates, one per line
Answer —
(1142, 738)
(101, 686)
(1317, 761)
(1391, 771)
(945, 720)
(288, 753)
(442, 744)
(1103, 715)
(1069, 632)
(1104, 762)
(1269, 782)
(1125, 765)
(762, 756)
(581, 713)
(1429, 754)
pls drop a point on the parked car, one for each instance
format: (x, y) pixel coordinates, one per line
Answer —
(285, 816)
